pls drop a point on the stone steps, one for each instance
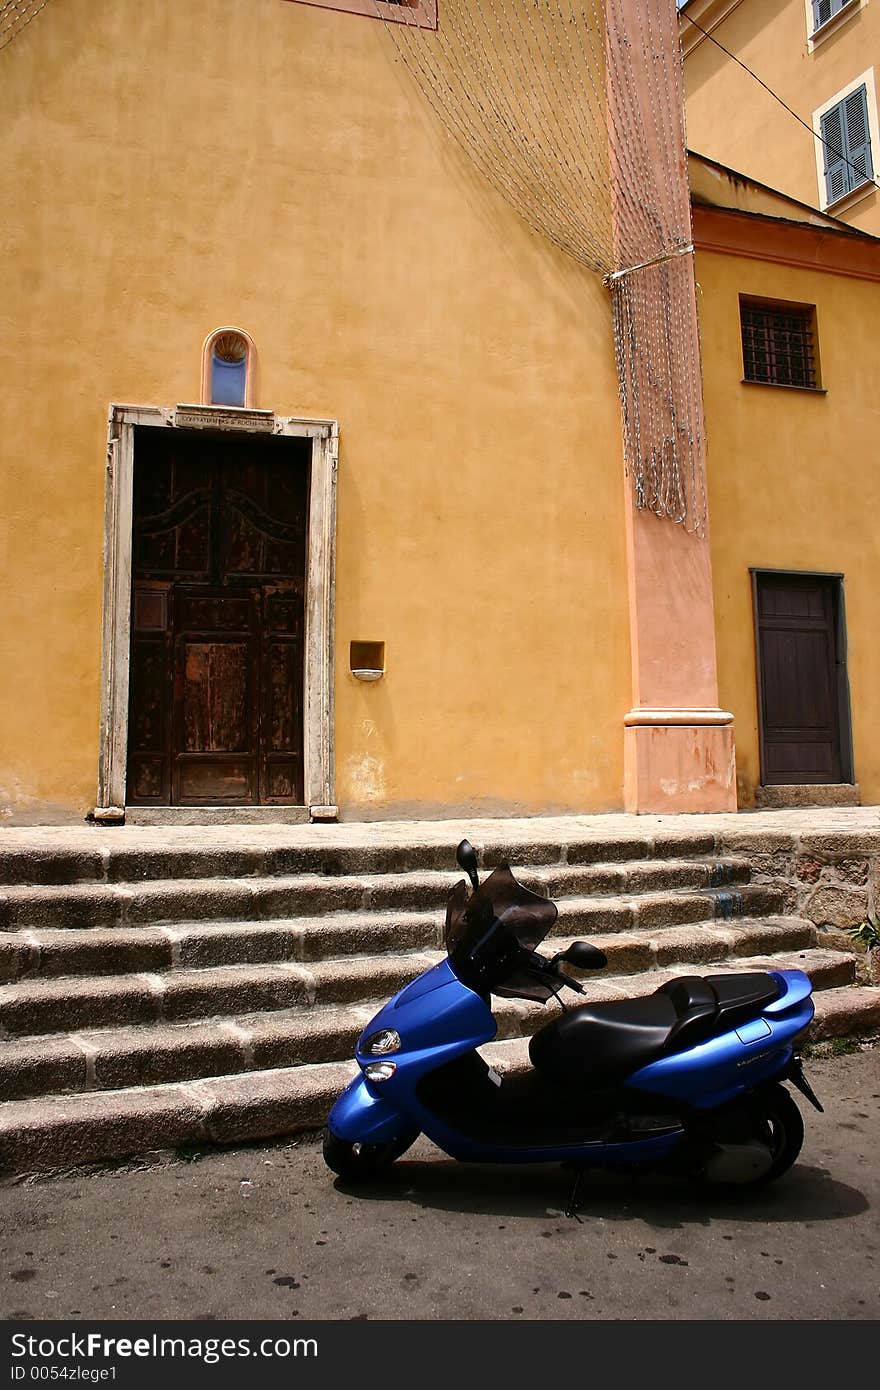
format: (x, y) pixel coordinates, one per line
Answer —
(103, 950)
(141, 855)
(122, 950)
(56, 1133)
(173, 990)
(59, 1005)
(239, 1018)
(165, 900)
(159, 989)
(846, 1013)
(62, 1131)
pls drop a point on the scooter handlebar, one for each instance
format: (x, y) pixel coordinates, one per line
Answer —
(552, 968)
(572, 984)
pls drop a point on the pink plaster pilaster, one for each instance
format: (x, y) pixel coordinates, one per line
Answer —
(679, 750)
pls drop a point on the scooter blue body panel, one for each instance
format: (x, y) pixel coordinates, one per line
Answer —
(719, 1069)
(438, 1019)
(361, 1117)
(797, 989)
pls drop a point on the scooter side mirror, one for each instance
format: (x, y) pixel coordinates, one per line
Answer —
(466, 858)
(584, 956)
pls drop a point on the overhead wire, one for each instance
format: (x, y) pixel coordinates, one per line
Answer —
(827, 145)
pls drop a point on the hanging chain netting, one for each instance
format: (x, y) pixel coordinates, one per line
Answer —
(15, 15)
(573, 109)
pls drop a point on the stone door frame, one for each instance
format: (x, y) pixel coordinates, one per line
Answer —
(320, 795)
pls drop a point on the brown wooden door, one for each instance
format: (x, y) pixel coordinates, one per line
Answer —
(799, 688)
(217, 620)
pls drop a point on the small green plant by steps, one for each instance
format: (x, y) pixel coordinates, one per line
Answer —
(867, 934)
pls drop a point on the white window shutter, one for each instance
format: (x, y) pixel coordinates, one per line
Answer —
(823, 10)
(858, 136)
(834, 143)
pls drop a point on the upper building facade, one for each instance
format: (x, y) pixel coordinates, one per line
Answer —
(821, 58)
(313, 488)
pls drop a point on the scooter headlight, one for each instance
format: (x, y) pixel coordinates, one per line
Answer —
(387, 1040)
(379, 1071)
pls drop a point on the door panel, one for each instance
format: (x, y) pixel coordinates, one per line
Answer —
(216, 697)
(797, 667)
(149, 715)
(799, 700)
(218, 585)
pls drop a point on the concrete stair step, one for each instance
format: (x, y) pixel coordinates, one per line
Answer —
(78, 906)
(57, 951)
(57, 1132)
(153, 1054)
(191, 899)
(637, 876)
(173, 987)
(700, 944)
(156, 1054)
(52, 952)
(165, 854)
(91, 1056)
(71, 1003)
(850, 1011)
(827, 969)
(647, 911)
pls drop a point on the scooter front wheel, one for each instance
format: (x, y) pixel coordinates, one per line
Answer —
(360, 1162)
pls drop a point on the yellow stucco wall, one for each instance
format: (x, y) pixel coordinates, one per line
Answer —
(168, 168)
(731, 118)
(794, 485)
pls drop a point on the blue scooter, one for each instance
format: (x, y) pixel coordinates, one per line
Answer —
(685, 1080)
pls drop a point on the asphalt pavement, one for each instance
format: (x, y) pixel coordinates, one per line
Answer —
(267, 1232)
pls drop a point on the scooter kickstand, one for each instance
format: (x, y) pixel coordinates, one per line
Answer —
(572, 1207)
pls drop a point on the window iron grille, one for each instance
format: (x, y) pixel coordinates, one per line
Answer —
(779, 344)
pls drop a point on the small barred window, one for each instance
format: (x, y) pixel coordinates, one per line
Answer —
(779, 343)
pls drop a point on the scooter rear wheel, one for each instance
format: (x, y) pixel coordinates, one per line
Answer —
(360, 1162)
(768, 1118)
(780, 1125)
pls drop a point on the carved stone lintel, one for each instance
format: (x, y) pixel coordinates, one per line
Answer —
(213, 417)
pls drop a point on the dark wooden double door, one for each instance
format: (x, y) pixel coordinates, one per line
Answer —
(803, 690)
(217, 619)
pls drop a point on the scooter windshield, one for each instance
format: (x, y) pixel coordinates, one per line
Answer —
(491, 934)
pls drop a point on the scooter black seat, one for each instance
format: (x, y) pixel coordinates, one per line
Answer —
(599, 1044)
(742, 997)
